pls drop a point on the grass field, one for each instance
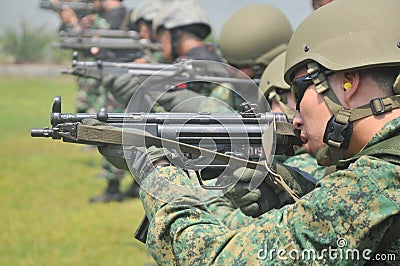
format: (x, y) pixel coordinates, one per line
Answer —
(45, 185)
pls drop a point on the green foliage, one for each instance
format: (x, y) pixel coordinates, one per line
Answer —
(30, 45)
(25, 44)
(45, 185)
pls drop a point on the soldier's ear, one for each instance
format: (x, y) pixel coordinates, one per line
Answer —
(351, 84)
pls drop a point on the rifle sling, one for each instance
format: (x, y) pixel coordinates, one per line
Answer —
(125, 21)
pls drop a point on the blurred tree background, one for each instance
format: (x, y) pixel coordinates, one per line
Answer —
(22, 43)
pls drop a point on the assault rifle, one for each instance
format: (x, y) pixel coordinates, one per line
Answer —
(206, 143)
(232, 134)
(78, 7)
(112, 43)
(167, 75)
(180, 71)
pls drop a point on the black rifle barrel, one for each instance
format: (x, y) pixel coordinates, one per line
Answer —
(181, 71)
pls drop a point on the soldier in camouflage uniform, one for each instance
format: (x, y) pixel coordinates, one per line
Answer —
(353, 214)
(145, 12)
(277, 92)
(70, 20)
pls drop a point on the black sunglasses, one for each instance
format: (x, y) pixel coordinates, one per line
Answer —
(299, 85)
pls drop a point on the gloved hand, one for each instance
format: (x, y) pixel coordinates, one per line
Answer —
(252, 200)
(145, 160)
(140, 159)
(256, 201)
(121, 87)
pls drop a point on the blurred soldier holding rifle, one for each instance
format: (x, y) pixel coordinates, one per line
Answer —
(112, 15)
(182, 27)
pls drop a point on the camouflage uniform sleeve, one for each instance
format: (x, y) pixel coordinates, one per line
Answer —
(350, 210)
(122, 87)
(100, 23)
(228, 214)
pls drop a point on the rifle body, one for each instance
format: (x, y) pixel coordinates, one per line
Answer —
(232, 134)
(78, 7)
(106, 33)
(112, 43)
(162, 76)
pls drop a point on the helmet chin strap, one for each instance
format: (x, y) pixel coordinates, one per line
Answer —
(282, 102)
(339, 128)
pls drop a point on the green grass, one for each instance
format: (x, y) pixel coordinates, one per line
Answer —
(45, 185)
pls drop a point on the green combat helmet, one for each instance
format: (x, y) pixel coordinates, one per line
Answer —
(183, 15)
(147, 10)
(364, 39)
(273, 86)
(255, 35)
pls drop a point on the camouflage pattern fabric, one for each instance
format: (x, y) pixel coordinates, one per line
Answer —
(307, 163)
(100, 23)
(219, 94)
(92, 97)
(347, 214)
(233, 218)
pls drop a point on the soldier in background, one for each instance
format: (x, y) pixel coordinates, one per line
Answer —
(266, 30)
(111, 15)
(143, 17)
(253, 36)
(118, 17)
(182, 27)
(145, 12)
(90, 97)
(71, 20)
